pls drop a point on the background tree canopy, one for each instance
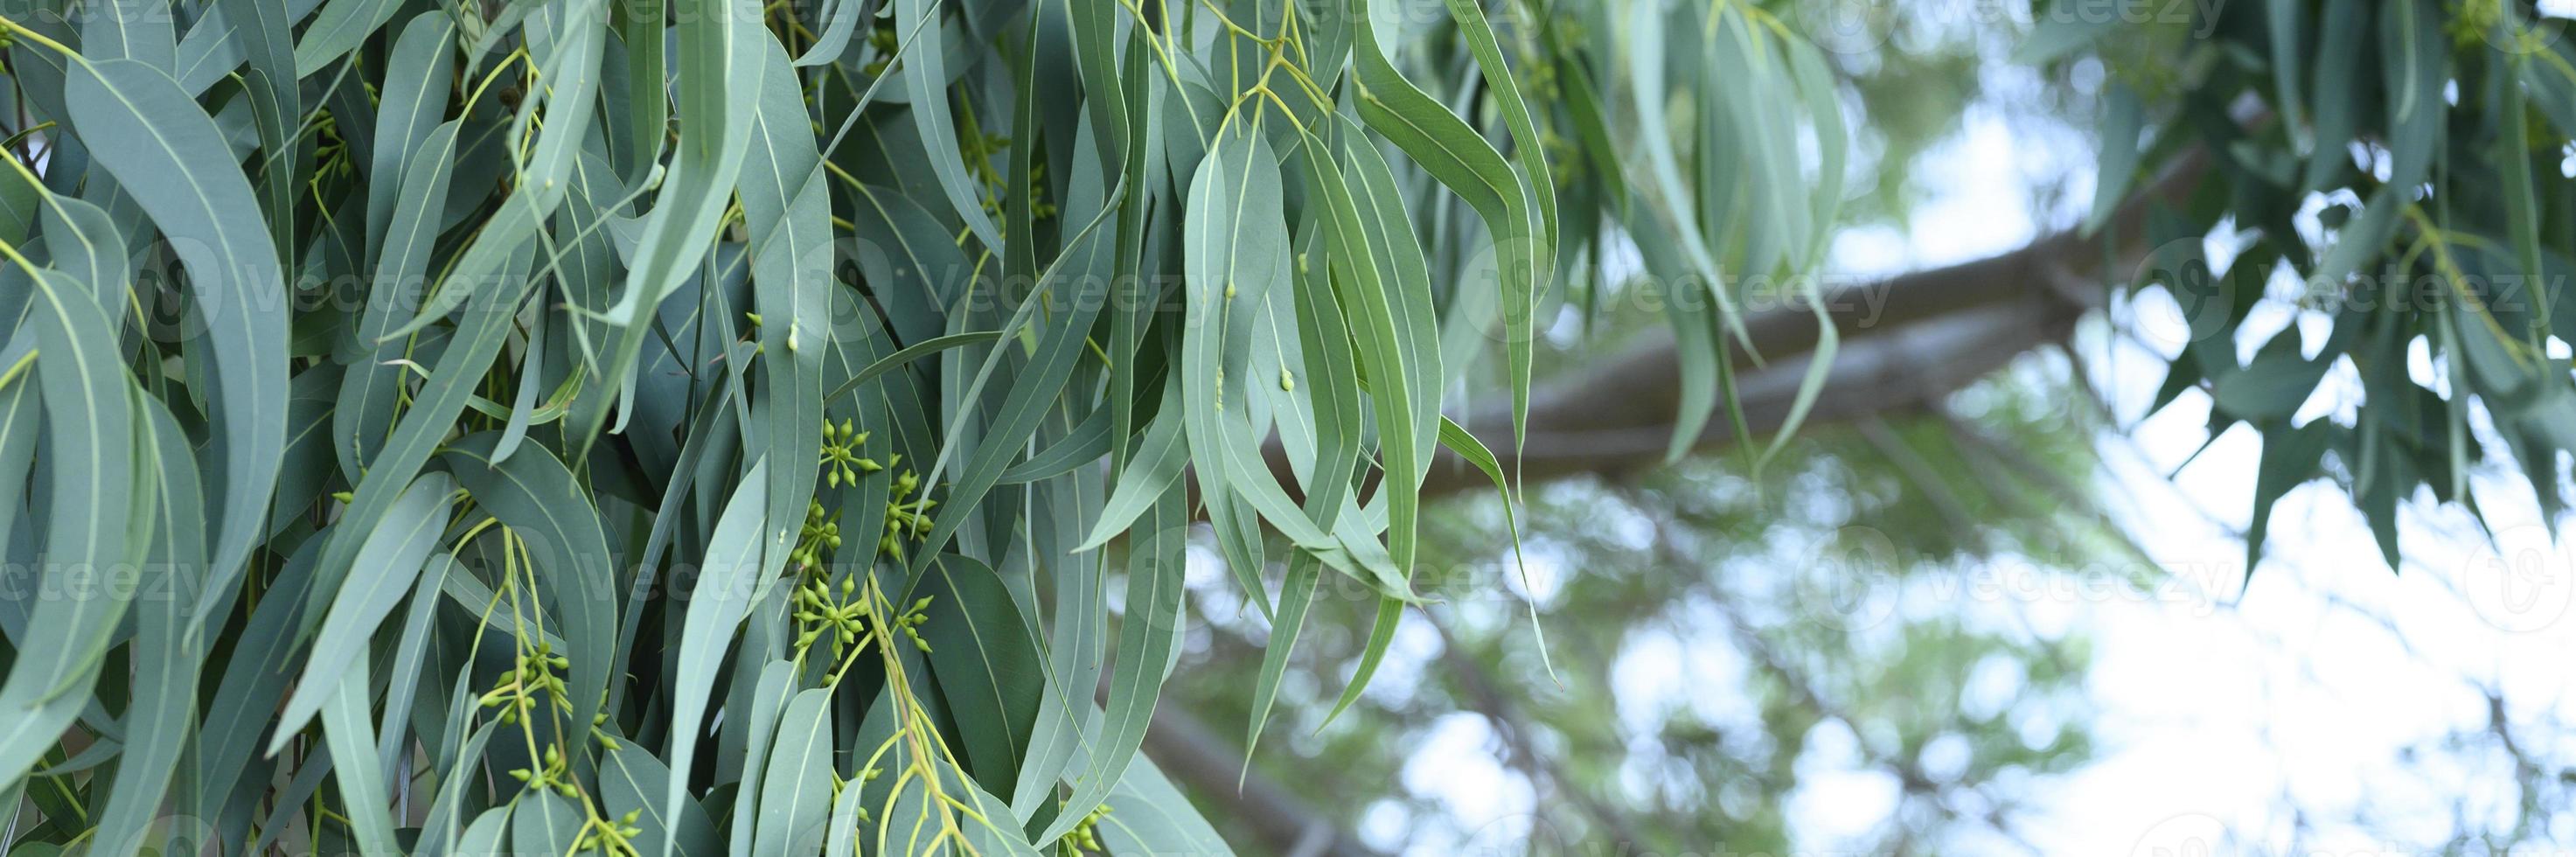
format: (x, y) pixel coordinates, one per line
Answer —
(701, 426)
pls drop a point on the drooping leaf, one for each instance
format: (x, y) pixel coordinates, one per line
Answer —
(387, 563)
(151, 135)
(95, 513)
(728, 583)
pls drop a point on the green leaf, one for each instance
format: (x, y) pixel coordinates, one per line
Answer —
(1024, 407)
(2551, 80)
(138, 30)
(448, 807)
(1452, 152)
(2123, 119)
(255, 675)
(93, 512)
(87, 248)
(369, 391)
(1157, 467)
(387, 563)
(925, 77)
(1694, 266)
(393, 736)
(1235, 246)
(1086, 443)
(484, 836)
(21, 420)
(752, 735)
(543, 822)
(544, 174)
(339, 28)
(719, 80)
(2287, 22)
(2513, 161)
(2289, 457)
(638, 132)
(788, 211)
(1372, 653)
(550, 509)
(632, 780)
(1403, 269)
(911, 261)
(1147, 815)
(985, 662)
(1296, 597)
(263, 32)
(166, 675)
(469, 353)
(1370, 304)
(796, 796)
(1466, 446)
(2341, 44)
(352, 740)
(151, 136)
(422, 61)
(2274, 385)
(1145, 639)
(729, 582)
(1538, 195)
(1095, 28)
(840, 19)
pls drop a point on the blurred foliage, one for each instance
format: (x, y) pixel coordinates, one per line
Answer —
(1721, 646)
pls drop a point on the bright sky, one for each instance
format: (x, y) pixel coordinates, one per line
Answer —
(2301, 691)
(2322, 692)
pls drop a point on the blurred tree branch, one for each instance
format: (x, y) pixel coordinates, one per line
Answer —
(1191, 752)
(1906, 341)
